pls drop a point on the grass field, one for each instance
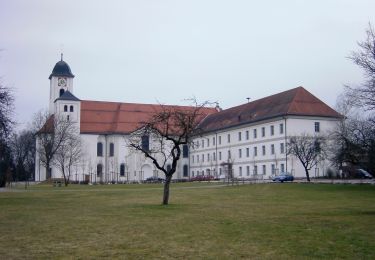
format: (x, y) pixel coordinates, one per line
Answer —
(268, 221)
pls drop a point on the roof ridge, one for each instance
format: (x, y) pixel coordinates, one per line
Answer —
(297, 90)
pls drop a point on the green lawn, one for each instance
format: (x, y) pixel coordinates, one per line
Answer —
(274, 221)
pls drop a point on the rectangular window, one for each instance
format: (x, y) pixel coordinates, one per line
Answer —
(220, 171)
(111, 149)
(213, 141)
(264, 169)
(202, 157)
(214, 156)
(197, 157)
(240, 171)
(247, 135)
(282, 167)
(239, 136)
(228, 138)
(208, 157)
(229, 155)
(247, 152)
(255, 133)
(317, 127)
(281, 147)
(263, 150)
(219, 155)
(255, 151)
(239, 153)
(193, 158)
(248, 170)
(272, 149)
(219, 139)
(281, 128)
(202, 143)
(273, 169)
(272, 130)
(255, 170)
(263, 131)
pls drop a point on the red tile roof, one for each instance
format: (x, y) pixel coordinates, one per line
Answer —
(98, 117)
(297, 101)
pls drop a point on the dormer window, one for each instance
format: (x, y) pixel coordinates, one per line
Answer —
(62, 91)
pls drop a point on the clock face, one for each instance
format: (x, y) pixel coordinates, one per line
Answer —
(61, 82)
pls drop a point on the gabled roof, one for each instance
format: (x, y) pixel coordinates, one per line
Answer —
(98, 117)
(67, 96)
(297, 101)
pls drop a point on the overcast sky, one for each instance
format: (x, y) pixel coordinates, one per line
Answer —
(148, 51)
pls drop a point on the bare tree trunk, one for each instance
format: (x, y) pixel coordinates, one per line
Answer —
(166, 190)
(307, 175)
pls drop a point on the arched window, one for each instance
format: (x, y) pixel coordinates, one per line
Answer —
(145, 143)
(122, 169)
(185, 151)
(111, 149)
(65, 108)
(62, 91)
(99, 149)
(71, 108)
(169, 167)
(99, 170)
(185, 171)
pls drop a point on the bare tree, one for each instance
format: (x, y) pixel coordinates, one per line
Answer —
(23, 153)
(169, 128)
(308, 149)
(6, 111)
(6, 126)
(364, 95)
(52, 132)
(68, 155)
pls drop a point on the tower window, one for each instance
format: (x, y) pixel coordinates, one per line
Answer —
(62, 91)
(71, 109)
(65, 108)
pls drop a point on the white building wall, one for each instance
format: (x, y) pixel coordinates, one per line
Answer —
(244, 140)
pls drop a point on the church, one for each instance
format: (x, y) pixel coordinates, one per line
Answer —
(247, 141)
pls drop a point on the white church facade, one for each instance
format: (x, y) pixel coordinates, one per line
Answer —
(249, 140)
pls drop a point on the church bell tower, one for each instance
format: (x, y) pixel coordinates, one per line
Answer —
(61, 80)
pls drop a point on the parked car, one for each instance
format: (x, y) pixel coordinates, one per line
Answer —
(361, 173)
(284, 176)
(202, 178)
(154, 179)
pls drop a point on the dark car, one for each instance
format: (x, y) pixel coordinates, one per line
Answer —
(202, 178)
(284, 176)
(154, 179)
(361, 173)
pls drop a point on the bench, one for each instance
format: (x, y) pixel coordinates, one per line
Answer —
(57, 182)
